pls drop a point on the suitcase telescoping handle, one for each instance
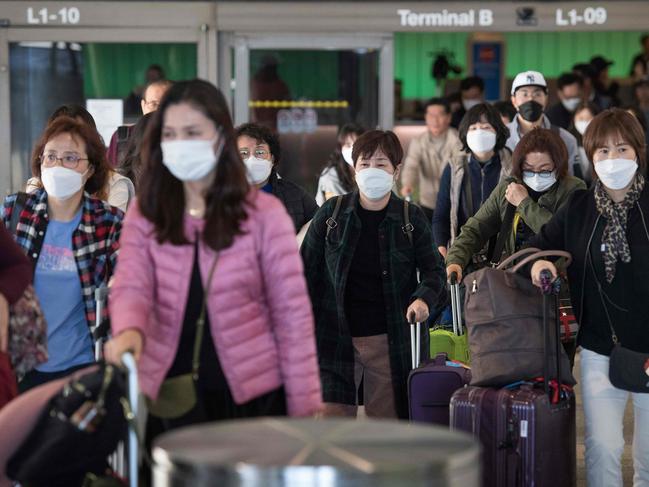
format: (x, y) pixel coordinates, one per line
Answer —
(550, 299)
(456, 304)
(128, 360)
(415, 340)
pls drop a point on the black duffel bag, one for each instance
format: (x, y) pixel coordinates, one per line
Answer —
(76, 432)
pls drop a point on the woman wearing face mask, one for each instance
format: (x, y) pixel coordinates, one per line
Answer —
(361, 261)
(469, 179)
(539, 186)
(71, 239)
(210, 282)
(119, 190)
(338, 177)
(260, 151)
(605, 230)
(583, 115)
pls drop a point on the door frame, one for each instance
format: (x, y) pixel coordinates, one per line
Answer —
(237, 45)
(137, 22)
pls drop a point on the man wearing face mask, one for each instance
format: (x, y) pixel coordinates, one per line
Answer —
(569, 86)
(530, 97)
(428, 154)
(260, 152)
(471, 94)
(361, 255)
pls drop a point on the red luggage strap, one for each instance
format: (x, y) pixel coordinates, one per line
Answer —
(557, 393)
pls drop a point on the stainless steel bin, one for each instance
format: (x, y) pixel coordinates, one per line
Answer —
(272, 452)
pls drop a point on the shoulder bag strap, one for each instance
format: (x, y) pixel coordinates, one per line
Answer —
(200, 324)
(503, 235)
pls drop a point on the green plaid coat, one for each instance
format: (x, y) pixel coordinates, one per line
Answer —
(327, 261)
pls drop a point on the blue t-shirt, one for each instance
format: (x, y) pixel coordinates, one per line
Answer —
(267, 188)
(58, 288)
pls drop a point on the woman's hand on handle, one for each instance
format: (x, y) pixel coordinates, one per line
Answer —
(419, 310)
(538, 267)
(454, 269)
(127, 341)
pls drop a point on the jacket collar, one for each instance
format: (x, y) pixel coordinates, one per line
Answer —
(89, 209)
(394, 208)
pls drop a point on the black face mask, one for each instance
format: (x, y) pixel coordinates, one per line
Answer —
(531, 110)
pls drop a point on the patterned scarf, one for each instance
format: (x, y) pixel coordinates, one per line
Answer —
(615, 245)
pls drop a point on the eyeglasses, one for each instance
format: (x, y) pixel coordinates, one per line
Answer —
(69, 160)
(260, 153)
(543, 174)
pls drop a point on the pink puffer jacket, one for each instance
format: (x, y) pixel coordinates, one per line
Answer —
(259, 311)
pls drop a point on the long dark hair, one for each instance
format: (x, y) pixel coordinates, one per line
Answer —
(131, 165)
(345, 172)
(161, 196)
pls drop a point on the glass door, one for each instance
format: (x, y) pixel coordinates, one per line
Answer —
(304, 89)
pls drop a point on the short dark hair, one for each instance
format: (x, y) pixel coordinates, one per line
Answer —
(567, 79)
(644, 38)
(505, 108)
(545, 141)
(472, 82)
(73, 110)
(161, 196)
(261, 134)
(349, 129)
(491, 116)
(367, 144)
(443, 102)
(611, 122)
(95, 150)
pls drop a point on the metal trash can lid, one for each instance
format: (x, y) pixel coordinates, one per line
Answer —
(268, 451)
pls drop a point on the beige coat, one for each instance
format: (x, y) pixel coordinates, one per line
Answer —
(424, 164)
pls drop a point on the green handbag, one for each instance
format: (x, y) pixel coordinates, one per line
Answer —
(177, 396)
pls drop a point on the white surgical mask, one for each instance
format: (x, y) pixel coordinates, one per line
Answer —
(469, 104)
(570, 104)
(581, 126)
(616, 173)
(480, 140)
(539, 182)
(190, 160)
(347, 155)
(374, 183)
(258, 169)
(61, 182)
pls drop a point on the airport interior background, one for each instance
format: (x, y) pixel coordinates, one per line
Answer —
(327, 87)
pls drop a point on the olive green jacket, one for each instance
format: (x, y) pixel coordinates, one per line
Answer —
(487, 222)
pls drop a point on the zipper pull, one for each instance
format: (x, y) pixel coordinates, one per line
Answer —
(474, 288)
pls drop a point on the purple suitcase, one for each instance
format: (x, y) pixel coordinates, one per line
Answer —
(527, 441)
(430, 388)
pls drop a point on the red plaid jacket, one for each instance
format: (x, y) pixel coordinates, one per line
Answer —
(95, 242)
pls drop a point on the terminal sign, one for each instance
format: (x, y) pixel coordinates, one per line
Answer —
(45, 16)
(589, 16)
(444, 18)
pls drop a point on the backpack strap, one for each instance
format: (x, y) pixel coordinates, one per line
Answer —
(407, 228)
(331, 221)
(16, 210)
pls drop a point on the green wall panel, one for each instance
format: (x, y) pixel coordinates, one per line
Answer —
(310, 75)
(112, 70)
(552, 53)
